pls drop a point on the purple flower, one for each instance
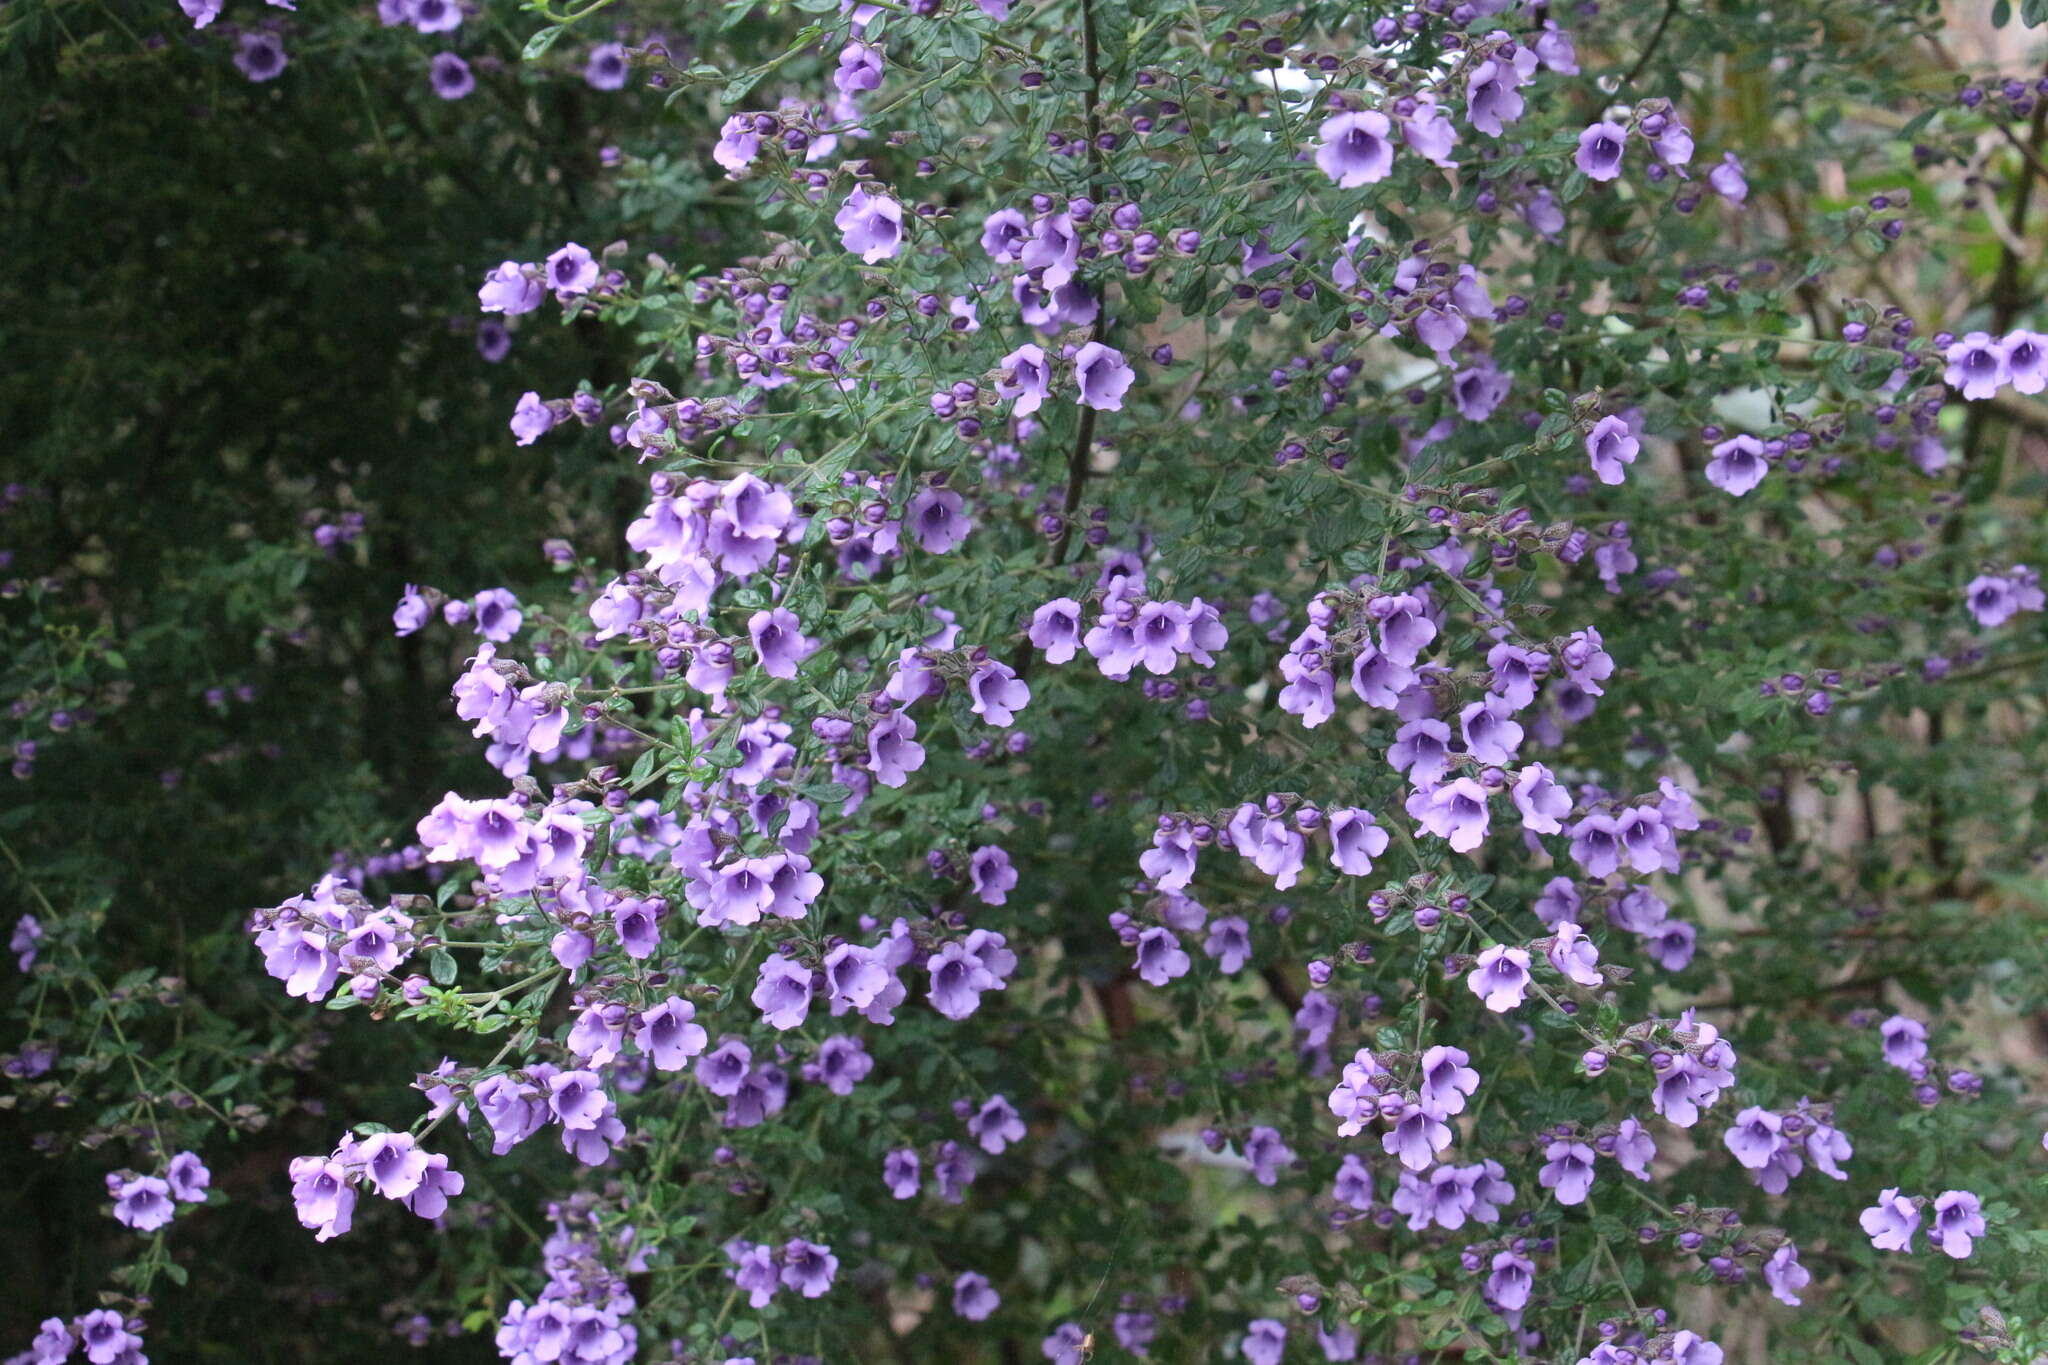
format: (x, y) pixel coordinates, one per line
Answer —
(532, 419)
(1586, 663)
(1738, 465)
(1958, 1217)
(1689, 1348)
(188, 1178)
(1567, 1170)
(1905, 1041)
(1311, 690)
(723, 1069)
(28, 930)
(1063, 1347)
(855, 977)
(450, 76)
(914, 679)
(753, 1271)
(900, 1172)
(959, 977)
(1491, 735)
(995, 1125)
(1610, 445)
(1421, 749)
(991, 875)
(1405, 629)
(1492, 92)
(1456, 812)
(1513, 1277)
(1827, 1146)
(1316, 1019)
(1596, 845)
(738, 145)
(1995, 599)
(430, 16)
(1891, 1221)
(200, 12)
(1573, 955)
(1500, 977)
(1004, 234)
(779, 641)
(1103, 377)
(997, 694)
(808, 1267)
(1161, 959)
(1273, 847)
(571, 271)
(1416, 1139)
(841, 1063)
(576, 1099)
(1477, 391)
(2026, 361)
(141, 1202)
(1977, 365)
(437, 1186)
(1269, 1155)
(1056, 630)
(1541, 802)
(893, 750)
(1599, 154)
(782, 992)
(1673, 144)
(1026, 379)
(1380, 682)
(1354, 1183)
(1728, 180)
(322, 1196)
(1355, 149)
(870, 225)
(1755, 1137)
(1134, 1332)
(106, 1337)
(1785, 1276)
(497, 615)
(1230, 943)
(510, 289)
(411, 613)
(606, 69)
(393, 1163)
(1053, 250)
(1355, 840)
(1633, 1148)
(1443, 1081)
(260, 56)
(599, 1033)
(973, 1298)
(1430, 134)
(1170, 862)
(635, 922)
(1264, 1341)
(859, 69)
(1554, 49)
(937, 520)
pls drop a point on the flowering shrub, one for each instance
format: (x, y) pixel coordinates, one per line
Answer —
(1318, 683)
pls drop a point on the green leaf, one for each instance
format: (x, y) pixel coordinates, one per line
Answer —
(441, 965)
(537, 46)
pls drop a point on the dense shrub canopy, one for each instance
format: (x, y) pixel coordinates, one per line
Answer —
(986, 680)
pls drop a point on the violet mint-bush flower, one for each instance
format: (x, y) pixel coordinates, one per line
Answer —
(1530, 652)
